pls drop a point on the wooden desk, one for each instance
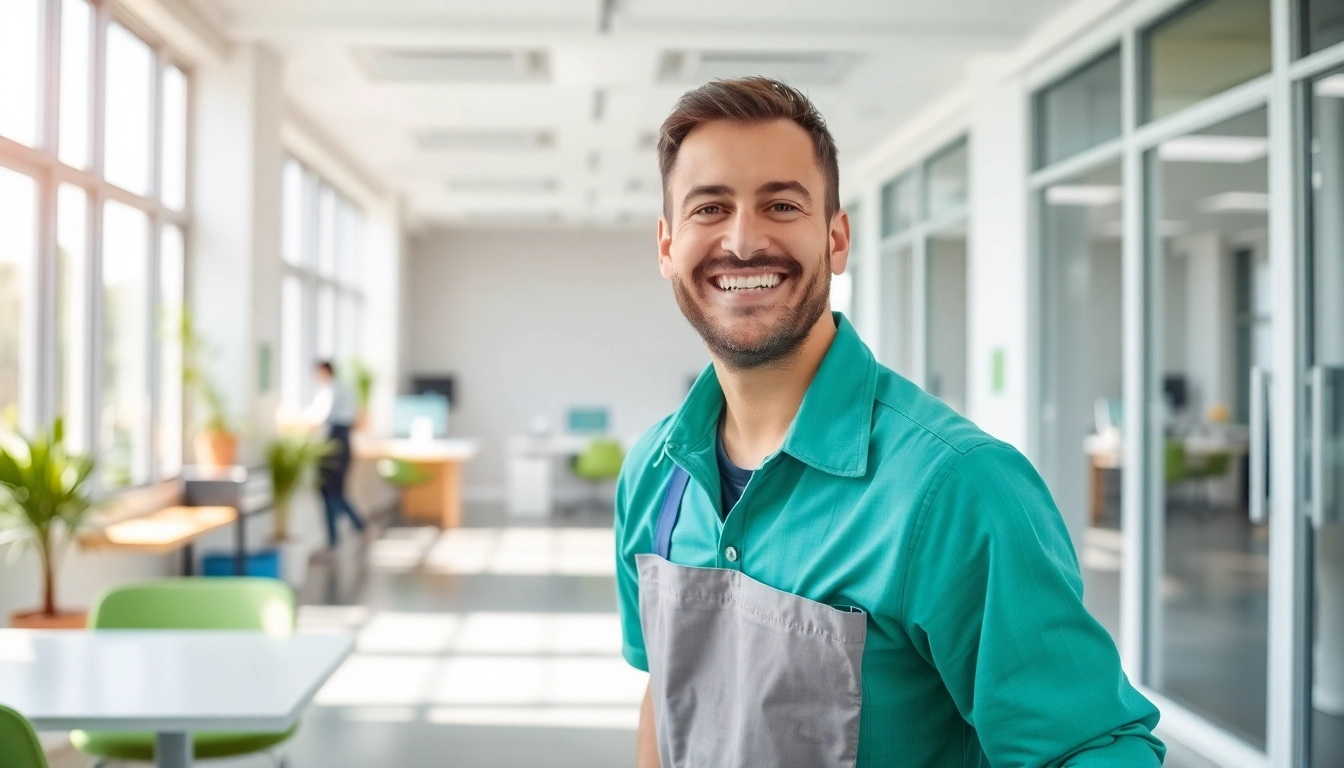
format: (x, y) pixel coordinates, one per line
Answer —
(164, 531)
(439, 499)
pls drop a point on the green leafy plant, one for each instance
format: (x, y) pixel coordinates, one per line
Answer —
(195, 351)
(362, 377)
(291, 458)
(44, 499)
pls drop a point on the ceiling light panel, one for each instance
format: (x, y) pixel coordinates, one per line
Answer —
(1236, 202)
(797, 68)
(456, 65)
(1092, 196)
(484, 139)
(1214, 149)
(502, 186)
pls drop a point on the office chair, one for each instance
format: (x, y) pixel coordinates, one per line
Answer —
(599, 463)
(263, 605)
(19, 747)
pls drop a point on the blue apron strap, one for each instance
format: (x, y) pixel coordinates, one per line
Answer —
(667, 516)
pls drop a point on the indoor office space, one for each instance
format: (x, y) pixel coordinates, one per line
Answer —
(1109, 232)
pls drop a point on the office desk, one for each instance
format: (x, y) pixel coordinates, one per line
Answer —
(531, 469)
(1107, 452)
(169, 682)
(163, 531)
(438, 500)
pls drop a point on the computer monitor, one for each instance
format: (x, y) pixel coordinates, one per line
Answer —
(443, 384)
(411, 412)
(588, 421)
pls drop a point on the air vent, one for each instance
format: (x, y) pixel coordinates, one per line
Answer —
(503, 186)
(456, 65)
(797, 68)
(484, 140)
(513, 217)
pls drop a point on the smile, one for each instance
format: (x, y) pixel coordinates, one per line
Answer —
(741, 283)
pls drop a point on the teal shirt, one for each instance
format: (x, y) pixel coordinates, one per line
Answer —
(884, 499)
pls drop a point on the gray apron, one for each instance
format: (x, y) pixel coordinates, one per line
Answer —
(742, 673)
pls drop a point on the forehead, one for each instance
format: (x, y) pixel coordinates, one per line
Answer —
(743, 155)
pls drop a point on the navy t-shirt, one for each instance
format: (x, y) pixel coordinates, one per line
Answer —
(732, 479)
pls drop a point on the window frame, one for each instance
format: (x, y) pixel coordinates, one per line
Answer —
(41, 402)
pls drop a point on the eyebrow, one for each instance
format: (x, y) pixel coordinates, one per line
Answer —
(706, 190)
(768, 188)
(775, 187)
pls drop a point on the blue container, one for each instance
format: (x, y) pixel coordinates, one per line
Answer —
(263, 563)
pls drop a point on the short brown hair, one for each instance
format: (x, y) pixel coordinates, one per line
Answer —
(749, 100)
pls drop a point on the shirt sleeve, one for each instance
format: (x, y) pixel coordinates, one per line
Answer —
(320, 409)
(628, 544)
(993, 599)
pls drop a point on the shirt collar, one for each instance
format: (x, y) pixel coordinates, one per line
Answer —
(833, 425)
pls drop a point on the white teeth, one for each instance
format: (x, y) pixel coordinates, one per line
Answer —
(747, 282)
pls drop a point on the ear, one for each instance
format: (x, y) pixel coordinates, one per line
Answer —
(840, 240)
(664, 248)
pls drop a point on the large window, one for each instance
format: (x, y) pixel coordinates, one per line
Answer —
(92, 222)
(1202, 50)
(1080, 111)
(321, 301)
(922, 328)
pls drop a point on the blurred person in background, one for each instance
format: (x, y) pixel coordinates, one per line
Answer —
(333, 413)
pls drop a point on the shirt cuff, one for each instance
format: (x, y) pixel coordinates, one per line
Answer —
(635, 657)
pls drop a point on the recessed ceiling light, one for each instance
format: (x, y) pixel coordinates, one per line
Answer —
(1090, 195)
(484, 139)
(1169, 228)
(1213, 149)
(503, 186)
(1331, 86)
(456, 65)
(797, 68)
(1236, 202)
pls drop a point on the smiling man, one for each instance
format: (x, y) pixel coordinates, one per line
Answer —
(818, 563)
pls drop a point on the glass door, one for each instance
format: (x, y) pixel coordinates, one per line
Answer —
(1211, 316)
(1326, 414)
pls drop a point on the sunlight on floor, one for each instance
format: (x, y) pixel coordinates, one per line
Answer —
(482, 668)
(500, 551)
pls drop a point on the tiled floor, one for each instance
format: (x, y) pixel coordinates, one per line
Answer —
(496, 645)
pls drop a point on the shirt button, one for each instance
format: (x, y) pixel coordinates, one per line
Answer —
(731, 554)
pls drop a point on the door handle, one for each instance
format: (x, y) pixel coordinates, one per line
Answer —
(1259, 486)
(1324, 380)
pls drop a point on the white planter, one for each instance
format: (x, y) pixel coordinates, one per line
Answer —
(294, 554)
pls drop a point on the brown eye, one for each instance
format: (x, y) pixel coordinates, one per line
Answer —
(783, 207)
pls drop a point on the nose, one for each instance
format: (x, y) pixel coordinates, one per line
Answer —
(745, 235)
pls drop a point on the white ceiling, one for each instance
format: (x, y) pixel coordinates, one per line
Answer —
(592, 81)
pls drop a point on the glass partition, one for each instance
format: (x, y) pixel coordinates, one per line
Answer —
(1202, 50)
(1080, 111)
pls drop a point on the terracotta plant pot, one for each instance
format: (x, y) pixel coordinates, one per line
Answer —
(39, 620)
(362, 422)
(216, 449)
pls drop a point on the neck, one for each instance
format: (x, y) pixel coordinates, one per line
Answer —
(760, 403)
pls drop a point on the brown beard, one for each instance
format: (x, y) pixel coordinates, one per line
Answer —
(788, 333)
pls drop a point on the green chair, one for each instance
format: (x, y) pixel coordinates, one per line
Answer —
(1173, 463)
(264, 605)
(1214, 466)
(19, 747)
(600, 462)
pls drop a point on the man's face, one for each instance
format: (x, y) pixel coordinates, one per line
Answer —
(746, 241)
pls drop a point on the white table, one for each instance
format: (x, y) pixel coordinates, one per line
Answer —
(171, 682)
(531, 469)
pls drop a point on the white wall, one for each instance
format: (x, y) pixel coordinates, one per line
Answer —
(532, 322)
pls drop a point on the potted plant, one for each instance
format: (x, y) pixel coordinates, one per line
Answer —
(291, 458)
(363, 378)
(217, 442)
(44, 503)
